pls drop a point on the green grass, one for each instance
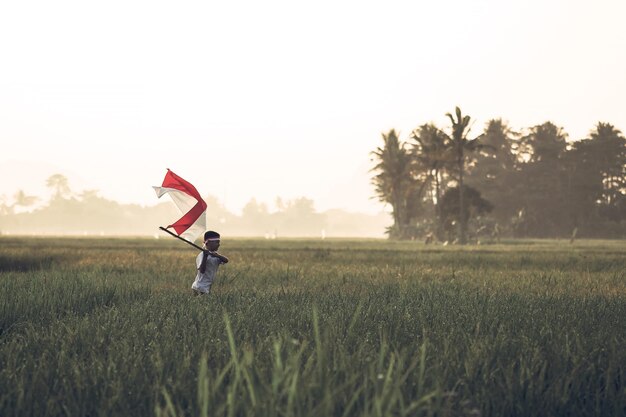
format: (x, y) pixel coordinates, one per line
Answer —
(108, 327)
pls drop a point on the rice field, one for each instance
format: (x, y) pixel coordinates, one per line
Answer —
(109, 327)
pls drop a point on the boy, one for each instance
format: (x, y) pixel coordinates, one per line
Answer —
(207, 263)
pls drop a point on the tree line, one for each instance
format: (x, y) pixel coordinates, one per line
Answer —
(87, 213)
(446, 184)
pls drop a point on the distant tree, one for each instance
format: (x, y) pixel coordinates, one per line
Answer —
(543, 182)
(59, 184)
(89, 195)
(497, 152)
(5, 208)
(299, 217)
(451, 210)
(609, 146)
(461, 145)
(432, 151)
(300, 209)
(394, 183)
(255, 217)
(494, 170)
(544, 143)
(596, 169)
(216, 213)
(23, 200)
(279, 203)
(254, 209)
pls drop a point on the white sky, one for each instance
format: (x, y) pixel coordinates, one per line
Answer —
(283, 98)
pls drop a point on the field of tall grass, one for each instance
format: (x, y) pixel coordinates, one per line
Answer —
(109, 327)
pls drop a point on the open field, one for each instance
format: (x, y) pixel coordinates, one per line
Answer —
(108, 327)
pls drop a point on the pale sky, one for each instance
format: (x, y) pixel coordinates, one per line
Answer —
(283, 98)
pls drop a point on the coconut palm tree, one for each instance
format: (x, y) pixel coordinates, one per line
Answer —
(431, 149)
(610, 148)
(59, 184)
(493, 170)
(546, 181)
(598, 168)
(460, 146)
(394, 182)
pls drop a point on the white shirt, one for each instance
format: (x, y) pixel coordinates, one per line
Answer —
(203, 281)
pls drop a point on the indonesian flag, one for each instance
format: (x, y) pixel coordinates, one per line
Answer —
(188, 201)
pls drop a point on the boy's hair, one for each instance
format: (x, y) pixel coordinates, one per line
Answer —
(211, 235)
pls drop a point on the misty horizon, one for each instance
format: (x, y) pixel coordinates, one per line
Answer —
(63, 212)
(39, 200)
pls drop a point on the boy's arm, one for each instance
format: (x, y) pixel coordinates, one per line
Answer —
(222, 258)
(202, 267)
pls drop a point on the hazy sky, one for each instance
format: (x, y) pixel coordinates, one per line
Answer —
(283, 98)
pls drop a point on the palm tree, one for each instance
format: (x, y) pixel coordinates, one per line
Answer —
(545, 143)
(460, 145)
(610, 151)
(59, 184)
(599, 166)
(24, 200)
(431, 149)
(493, 171)
(546, 181)
(393, 182)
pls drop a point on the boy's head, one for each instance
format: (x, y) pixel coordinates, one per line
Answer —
(211, 240)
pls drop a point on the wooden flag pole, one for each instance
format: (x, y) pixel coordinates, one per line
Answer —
(181, 238)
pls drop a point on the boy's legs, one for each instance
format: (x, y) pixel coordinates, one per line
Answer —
(196, 292)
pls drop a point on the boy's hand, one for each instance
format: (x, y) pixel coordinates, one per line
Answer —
(214, 254)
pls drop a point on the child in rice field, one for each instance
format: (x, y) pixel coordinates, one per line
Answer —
(207, 263)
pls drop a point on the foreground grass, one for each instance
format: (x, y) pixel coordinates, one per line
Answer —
(312, 328)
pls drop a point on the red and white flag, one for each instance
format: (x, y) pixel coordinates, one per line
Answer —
(188, 201)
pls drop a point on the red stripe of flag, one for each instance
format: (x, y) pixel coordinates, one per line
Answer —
(172, 180)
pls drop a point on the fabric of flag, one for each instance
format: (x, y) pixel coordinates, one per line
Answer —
(188, 201)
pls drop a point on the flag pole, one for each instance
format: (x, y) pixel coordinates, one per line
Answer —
(181, 238)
